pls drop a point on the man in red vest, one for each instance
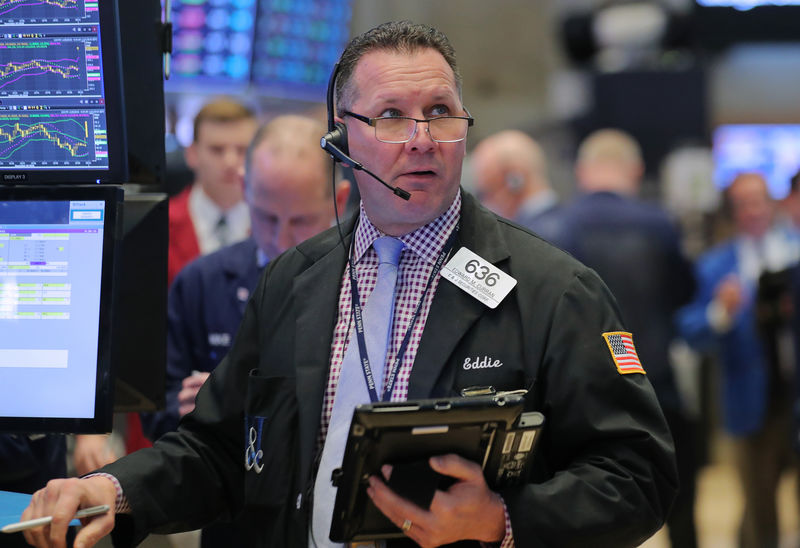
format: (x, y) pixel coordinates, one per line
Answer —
(211, 213)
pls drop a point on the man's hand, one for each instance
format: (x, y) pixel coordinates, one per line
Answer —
(468, 510)
(190, 387)
(91, 452)
(729, 294)
(61, 499)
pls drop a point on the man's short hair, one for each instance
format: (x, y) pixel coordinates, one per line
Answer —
(396, 36)
(222, 110)
(292, 136)
(611, 145)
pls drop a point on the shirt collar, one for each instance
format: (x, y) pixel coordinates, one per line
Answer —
(205, 214)
(203, 206)
(427, 241)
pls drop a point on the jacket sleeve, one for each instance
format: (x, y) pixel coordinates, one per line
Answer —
(604, 473)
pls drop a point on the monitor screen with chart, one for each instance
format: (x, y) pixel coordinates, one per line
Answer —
(61, 109)
(271, 48)
(57, 248)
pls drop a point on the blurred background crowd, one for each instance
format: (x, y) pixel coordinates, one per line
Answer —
(658, 141)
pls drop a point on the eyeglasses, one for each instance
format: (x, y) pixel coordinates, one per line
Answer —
(401, 129)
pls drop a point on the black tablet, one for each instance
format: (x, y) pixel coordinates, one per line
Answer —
(491, 430)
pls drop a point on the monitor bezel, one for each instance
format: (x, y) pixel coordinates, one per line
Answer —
(117, 171)
(104, 387)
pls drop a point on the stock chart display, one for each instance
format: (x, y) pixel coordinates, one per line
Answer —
(279, 48)
(52, 103)
(297, 44)
(42, 67)
(212, 41)
(51, 139)
(48, 11)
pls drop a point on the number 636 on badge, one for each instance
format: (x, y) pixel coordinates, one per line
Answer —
(478, 277)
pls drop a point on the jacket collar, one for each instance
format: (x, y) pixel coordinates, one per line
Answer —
(316, 297)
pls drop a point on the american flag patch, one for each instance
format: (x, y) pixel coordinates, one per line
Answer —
(624, 353)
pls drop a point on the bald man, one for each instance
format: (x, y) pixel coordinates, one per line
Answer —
(510, 174)
(288, 194)
(635, 247)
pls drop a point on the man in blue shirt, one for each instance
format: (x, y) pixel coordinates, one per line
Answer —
(730, 317)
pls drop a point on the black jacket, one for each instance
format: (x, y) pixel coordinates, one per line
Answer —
(604, 474)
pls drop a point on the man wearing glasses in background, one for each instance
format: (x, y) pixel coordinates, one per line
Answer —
(604, 474)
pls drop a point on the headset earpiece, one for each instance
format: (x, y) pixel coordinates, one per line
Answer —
(337, 131)
(514, 181)
(340, 137)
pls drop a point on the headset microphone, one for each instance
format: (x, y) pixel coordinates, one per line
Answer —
(337, 154)
(335, 141)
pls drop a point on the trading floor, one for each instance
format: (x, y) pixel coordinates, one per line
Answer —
(719, 505)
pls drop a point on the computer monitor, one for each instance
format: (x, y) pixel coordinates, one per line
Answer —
(57, 258)
(140, 307)
(61, 100)
(271, 48)
(770, 149)
(719, 24)
(295, 48)
(744, 5)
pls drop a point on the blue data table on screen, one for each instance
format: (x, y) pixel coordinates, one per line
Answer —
(13, 504)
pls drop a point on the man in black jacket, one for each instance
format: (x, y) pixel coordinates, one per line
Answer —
(604, 474)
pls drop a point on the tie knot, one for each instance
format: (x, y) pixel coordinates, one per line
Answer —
(388, 249)
(221, 230)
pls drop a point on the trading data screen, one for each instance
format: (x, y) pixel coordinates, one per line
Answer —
(277, 48)
(51, 258)
(52, 96)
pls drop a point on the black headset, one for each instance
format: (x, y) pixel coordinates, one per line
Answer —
(337, 131)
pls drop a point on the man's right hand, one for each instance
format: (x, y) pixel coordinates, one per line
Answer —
(61, 499)
(729, 294)
(189, 389)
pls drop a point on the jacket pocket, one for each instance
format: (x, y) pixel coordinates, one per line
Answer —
(270, 440)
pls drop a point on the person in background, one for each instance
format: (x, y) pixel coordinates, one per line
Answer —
(728, 316)
(790, 205)
(210, 213)
(510, 173)
(288, 193)
(270, 424)
(635, 247)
